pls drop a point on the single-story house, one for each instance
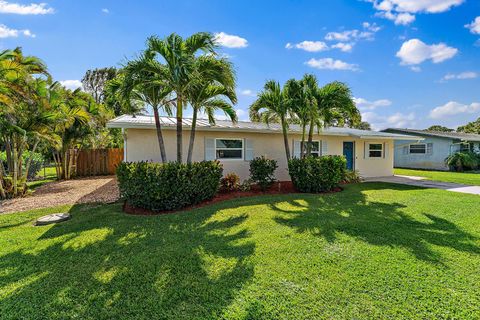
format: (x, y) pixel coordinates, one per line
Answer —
(432, 151)
(369, 152)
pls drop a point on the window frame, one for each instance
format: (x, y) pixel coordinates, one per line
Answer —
(417, 144)
(319, 152)
(242, 149)
(382, 150)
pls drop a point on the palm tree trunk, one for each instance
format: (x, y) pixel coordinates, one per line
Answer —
(158, 126)
(15, 171)
(27, 165)
(310, 138)
(3, 195)
(192, 136)
(179, 128)
(285, 139)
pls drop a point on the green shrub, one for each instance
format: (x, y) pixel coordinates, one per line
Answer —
(229, 183)
(461, 161)
(313, 174)
(168, 186)
(262, 172)
(351, 176)
(36, 165)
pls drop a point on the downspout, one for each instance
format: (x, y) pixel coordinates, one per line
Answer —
(124, 134)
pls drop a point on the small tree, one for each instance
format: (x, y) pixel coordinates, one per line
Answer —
(262, 172)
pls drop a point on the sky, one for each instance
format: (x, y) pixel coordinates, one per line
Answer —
(409, 63)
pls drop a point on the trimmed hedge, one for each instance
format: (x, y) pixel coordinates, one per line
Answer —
(168, 186)
(262, 172)
(317, 174)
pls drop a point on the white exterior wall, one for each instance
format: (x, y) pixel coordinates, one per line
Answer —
(142, 144)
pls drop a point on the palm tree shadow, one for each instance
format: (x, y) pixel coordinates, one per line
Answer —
(175, 266)
(374, 222)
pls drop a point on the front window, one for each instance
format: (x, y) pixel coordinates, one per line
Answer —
(315, 152)
(419, 148)
(229, 148)
(375, 150)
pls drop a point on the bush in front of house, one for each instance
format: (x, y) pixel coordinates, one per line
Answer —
(169, 186)
(351, 176)
(229, 183)
(461, 161)
(262, 172)
(317, 174)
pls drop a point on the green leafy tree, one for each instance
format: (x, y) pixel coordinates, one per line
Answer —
(363, 125)
(94, 82)
(471, 127)
(439, 128)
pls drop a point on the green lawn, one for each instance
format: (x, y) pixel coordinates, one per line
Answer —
(445, 176)
(373, 251)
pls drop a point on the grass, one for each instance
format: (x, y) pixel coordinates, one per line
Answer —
(445, 176)
(373, 251)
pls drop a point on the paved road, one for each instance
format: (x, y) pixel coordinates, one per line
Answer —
(421, 182)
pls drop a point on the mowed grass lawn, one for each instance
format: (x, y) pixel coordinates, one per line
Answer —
(445, 176)
(373, 251)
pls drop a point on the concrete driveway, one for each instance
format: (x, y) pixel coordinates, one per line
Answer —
(422, 182)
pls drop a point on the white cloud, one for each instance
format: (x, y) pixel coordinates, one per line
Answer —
(460, 76)
(310, 46)
(345, 47)
(474, 26)
(453, 108)
(6, 32)
(399, 120)
(415, 51)
(71, 84)
(241, 114)
(349, 35)
(105, 10)
(364, 104)
(248, 93)
(402, 11)
(331, 64)
(230, 41)
(33, 8)
(371, 26)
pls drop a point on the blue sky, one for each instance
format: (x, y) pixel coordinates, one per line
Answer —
(410, 63)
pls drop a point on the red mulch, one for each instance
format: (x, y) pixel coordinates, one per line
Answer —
(281, 187)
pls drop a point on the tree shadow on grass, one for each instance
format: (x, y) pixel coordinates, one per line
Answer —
(104, 264)
(377, 223)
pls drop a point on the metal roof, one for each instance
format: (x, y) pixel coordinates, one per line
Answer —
(449, 135)
(148, 122)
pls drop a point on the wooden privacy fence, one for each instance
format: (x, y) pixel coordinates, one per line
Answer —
(97, 162)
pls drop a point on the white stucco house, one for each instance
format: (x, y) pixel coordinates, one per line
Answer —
(369, 152)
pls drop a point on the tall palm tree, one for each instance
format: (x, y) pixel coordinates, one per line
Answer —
(275, 104)
(336, 105)
(212, 90)
(143, 81)
(179, 56)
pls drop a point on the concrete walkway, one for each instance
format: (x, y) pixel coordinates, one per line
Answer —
(422, 182)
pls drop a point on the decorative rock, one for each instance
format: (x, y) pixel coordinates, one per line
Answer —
(52, 218)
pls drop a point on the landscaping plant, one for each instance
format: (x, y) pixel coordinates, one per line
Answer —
(461, 161)
(262, 172)
(229, 183)
(351, 176)
(168, 186)
(312, 174)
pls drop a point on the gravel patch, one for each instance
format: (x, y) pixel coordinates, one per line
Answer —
(102, 189)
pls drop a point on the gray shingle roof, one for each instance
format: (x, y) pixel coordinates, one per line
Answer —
(449, 135)
(143, 121)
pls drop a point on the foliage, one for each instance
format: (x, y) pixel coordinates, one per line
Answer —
(363, 125)
(262, 172)
(312, 174)
(351, 176)
(246, 185)
(391, 251)
(94, 82)
(439, 128)
(168, 186)
(471, 127)
(460, 161)
(229, 183)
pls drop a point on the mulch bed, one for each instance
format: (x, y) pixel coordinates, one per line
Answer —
(281, 187)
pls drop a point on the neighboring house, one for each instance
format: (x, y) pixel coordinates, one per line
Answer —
(369, 152)
(432, 151)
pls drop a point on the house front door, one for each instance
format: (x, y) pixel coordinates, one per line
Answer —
(348, 152)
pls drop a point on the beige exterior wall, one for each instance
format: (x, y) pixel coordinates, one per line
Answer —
(142, 144)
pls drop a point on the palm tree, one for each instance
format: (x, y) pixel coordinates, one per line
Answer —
(336, 105)
(275, 104)
(143, 81)
(179, 73)
(214, 84)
